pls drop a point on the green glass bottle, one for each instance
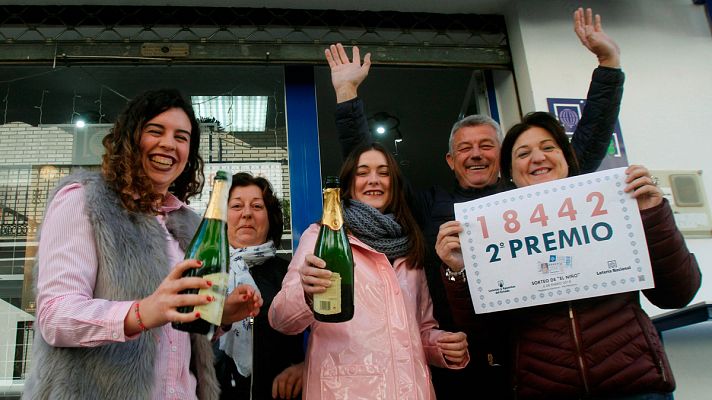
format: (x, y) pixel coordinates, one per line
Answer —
(210, 245)
(332, 246)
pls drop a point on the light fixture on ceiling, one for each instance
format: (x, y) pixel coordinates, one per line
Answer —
(384, 124)
(399, 136)
(398, 139)
(82, 119)
(233, 113)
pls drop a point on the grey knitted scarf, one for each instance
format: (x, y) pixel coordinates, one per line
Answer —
(380, 231)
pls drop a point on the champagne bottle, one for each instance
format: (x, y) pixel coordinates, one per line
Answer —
(210, 245)
(332, 246)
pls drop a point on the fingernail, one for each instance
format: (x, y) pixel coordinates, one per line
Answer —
(210, 298)
(210, 283)
(197, 315)
(200, 263)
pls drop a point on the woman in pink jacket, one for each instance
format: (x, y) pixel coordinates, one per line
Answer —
(384, 351)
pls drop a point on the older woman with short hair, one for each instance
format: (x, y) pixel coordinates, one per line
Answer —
(259, 362)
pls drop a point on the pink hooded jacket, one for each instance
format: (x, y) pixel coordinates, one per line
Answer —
(384, 351)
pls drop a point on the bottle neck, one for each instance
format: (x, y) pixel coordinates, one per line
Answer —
(332, 215)
(217, 206)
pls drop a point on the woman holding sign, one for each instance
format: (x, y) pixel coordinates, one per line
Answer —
(606, 346)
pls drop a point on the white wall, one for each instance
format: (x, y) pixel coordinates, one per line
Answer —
(666, 50)
(23, 144)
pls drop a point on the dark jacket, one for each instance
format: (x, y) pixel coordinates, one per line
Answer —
(273, 351)
(603, 346)
(434, 206)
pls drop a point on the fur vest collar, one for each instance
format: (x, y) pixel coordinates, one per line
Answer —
(133, 261)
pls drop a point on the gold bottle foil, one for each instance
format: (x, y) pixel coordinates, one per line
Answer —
(217, 208)
(332, 216)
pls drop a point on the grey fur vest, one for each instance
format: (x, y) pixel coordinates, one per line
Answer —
(133, 260)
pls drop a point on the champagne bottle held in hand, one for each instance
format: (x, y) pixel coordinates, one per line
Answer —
(332, 246)
(210, 245)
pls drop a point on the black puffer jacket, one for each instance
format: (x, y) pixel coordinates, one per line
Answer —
(607, 346)
(434, 206)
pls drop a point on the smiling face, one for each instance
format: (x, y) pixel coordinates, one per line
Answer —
(475, 156)
(537, 158)
(372, 182)
(247, 219)
(165, 143)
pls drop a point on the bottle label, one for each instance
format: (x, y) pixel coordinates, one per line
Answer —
(212, 312)
(329, 302)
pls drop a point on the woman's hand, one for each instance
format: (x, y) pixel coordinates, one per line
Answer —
(160, 307)
(447, 245)
(589, 30)
(643, 189)
(288, 384)
(346, 75)
(453, 347)
(314, 276)
(241, 303)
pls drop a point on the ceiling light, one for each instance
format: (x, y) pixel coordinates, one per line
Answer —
(234, 113)
(384, 123)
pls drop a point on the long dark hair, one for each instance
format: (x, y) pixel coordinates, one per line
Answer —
(544, 121)
(121, 162)
(272, 204)
(397, 205)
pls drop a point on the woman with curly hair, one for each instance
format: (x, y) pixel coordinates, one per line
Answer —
(110, 264)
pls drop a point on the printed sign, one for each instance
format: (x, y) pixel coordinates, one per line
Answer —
(562, 240)
(569, 111)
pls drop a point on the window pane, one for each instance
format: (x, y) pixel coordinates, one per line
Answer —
(237, 113)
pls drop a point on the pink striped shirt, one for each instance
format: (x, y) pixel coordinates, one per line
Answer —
(67, 313)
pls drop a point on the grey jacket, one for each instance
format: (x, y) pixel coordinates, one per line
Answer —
(129, 246)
